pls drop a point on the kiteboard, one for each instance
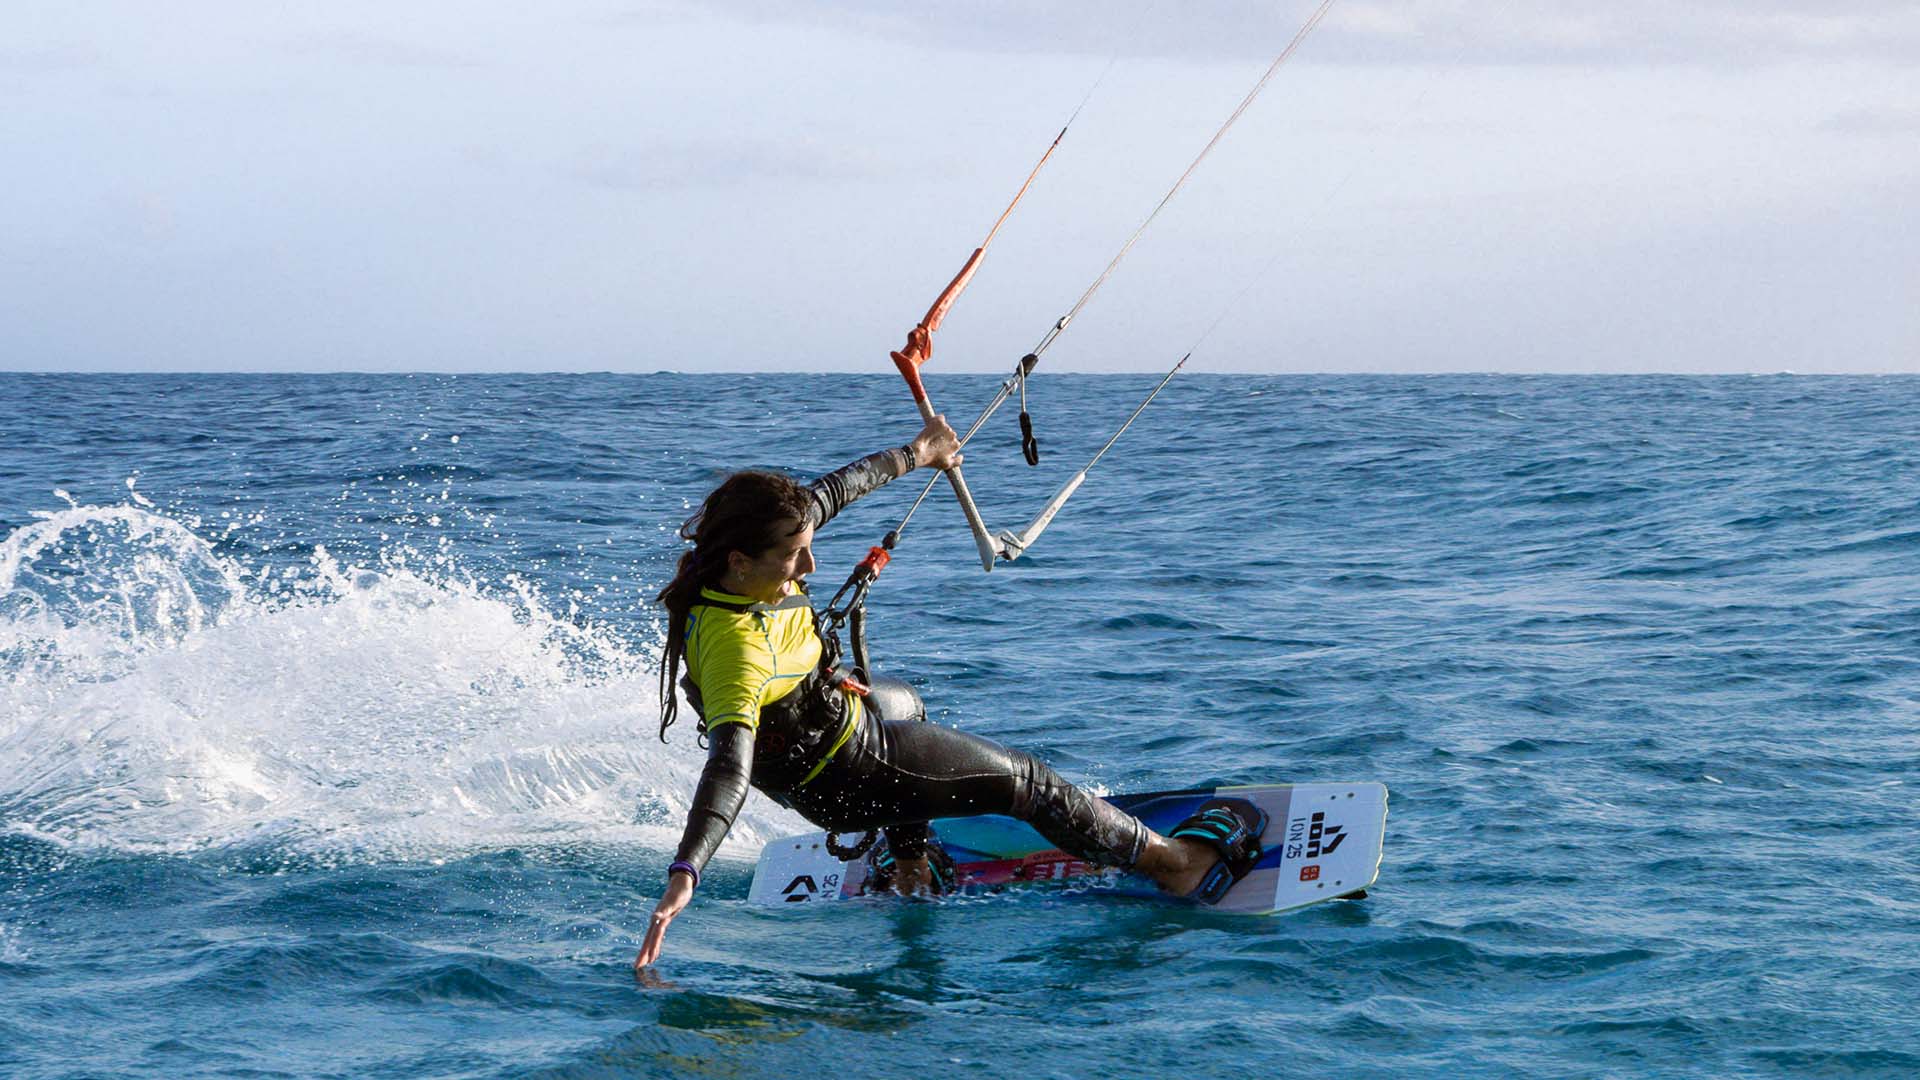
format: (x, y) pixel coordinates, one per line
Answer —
(1322, 842)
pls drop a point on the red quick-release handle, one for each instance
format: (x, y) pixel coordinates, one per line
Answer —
(909, 360)
(919, 346)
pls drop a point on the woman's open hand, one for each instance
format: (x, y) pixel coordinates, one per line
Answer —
(679, 892)
(936, 445)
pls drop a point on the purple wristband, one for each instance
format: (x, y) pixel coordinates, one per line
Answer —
(692, 870)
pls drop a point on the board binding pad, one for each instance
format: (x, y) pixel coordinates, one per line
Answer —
(1322, 842)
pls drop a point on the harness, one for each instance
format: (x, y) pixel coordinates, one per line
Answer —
(790, 746)
(794, 733)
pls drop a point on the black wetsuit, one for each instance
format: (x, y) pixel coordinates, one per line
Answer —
(892, 770)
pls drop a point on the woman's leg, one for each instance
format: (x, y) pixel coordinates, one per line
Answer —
(895, 699)
(903, 772)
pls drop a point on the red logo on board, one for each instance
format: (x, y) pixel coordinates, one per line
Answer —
(1310, 873)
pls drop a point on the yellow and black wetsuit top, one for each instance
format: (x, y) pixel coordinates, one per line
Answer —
(746, 660)
(745, 656)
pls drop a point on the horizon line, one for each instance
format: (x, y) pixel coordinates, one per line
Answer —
(1482, 372)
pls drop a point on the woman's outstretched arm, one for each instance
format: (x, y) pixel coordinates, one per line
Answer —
(716, 803)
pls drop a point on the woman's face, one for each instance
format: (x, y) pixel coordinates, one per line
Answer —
(766, 577)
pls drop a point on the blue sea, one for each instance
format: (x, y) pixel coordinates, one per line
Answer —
(328, 726)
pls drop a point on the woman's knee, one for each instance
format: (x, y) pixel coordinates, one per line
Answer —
(1033, 784)
(892, 699)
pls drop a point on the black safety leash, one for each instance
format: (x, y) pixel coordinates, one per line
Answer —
(849, 604)
(1029, 446)
(849, 608)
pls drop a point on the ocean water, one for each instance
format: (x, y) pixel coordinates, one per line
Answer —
(327, 726)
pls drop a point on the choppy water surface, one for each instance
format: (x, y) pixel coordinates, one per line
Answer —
(327, 709)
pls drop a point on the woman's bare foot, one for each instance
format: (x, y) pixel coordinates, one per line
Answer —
(1177, 865)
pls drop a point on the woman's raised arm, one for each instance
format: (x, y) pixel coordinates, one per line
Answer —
(936, 447)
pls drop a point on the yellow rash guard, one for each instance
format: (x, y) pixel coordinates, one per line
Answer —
(742, 661)
(747, 656)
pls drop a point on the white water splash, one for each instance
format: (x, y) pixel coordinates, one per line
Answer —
(156, 695)
(84, 591)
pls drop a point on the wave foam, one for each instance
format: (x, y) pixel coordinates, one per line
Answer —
(151, 701)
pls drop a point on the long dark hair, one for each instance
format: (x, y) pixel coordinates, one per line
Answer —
(742, 514)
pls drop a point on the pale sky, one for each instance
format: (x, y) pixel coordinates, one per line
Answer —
(1429, 185)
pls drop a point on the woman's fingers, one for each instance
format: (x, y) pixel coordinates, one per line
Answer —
(656, 937)
(679, 891)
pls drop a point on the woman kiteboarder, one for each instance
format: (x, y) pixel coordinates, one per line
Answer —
(780, 715)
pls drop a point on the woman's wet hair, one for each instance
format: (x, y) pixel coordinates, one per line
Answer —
(749, 512)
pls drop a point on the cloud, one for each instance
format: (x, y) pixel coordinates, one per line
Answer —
(1876, 121)
(47, 60)
(1629, 32)
(1621, 32)
(379, 51)
(703, 163)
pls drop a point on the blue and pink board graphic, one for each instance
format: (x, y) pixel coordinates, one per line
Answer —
(1323, 842)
